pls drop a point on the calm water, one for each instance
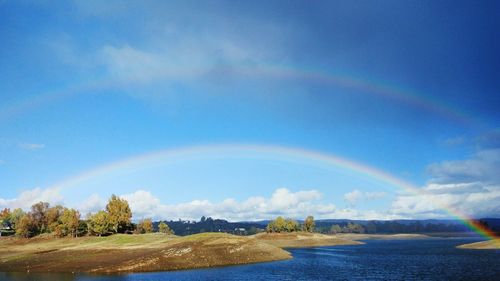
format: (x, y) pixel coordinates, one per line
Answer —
(431, 259)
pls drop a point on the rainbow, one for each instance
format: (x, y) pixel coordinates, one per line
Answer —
(362, 86)
(280, 151)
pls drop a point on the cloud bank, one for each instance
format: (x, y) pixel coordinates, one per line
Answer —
(469, 186)
(144, 204)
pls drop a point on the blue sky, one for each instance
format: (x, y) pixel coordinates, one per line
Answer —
(89, 83)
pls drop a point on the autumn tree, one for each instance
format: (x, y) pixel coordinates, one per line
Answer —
(26, 226)
(15, 217)
(145, 226)
(291, 225)
(99, 223)
(119, 213)
(39, 216)
(309, 224)
(5, 217)
(281, 224)
(164, 228)
(53, 215)
(70, 221)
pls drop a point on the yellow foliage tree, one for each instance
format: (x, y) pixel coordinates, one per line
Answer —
(99, 223)
(145, 226)
(70, 220)
(164, 228)
(119, 213)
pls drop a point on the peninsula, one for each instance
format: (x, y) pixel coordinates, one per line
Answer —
(121, 253)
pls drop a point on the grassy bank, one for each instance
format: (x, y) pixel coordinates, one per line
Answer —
(133, 253)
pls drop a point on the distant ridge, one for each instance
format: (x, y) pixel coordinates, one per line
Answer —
(324, 226)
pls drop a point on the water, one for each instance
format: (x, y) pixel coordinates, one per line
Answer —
(428, 259)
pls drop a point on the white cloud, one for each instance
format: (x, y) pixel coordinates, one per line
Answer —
(475, 203)
(144, 204)
(30, 197)
(31, 146)
(282, 202)
(482, 166)
(353, 197)
(470, 187)
(92, 205)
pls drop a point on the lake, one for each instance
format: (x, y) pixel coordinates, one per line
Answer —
(427, 259)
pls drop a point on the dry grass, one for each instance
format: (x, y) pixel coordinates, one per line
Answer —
(127, 253)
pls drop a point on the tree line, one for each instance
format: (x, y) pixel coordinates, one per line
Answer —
(60, 221)
(281, 224)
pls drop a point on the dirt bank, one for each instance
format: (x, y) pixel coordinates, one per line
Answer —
(133, 253)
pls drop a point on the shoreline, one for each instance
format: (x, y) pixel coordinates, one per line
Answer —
(356, 236)
(482, 245)
(125, 253)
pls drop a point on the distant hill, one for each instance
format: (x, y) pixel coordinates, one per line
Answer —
(181, 227)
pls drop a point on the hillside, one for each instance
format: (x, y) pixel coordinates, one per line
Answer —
(133, 253)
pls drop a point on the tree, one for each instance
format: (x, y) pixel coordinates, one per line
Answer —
(164, 228)
(26, 226)
(119, 213)
(99, 223)
(70, 221)
(39, 216)
(291, 225)
(282, 225)
(16, 216)
(354, 228)
(336, 229)
(270, 227)
(309, 224)
(145, 226)
(83, 228)
(5, 217)
(53, 215)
